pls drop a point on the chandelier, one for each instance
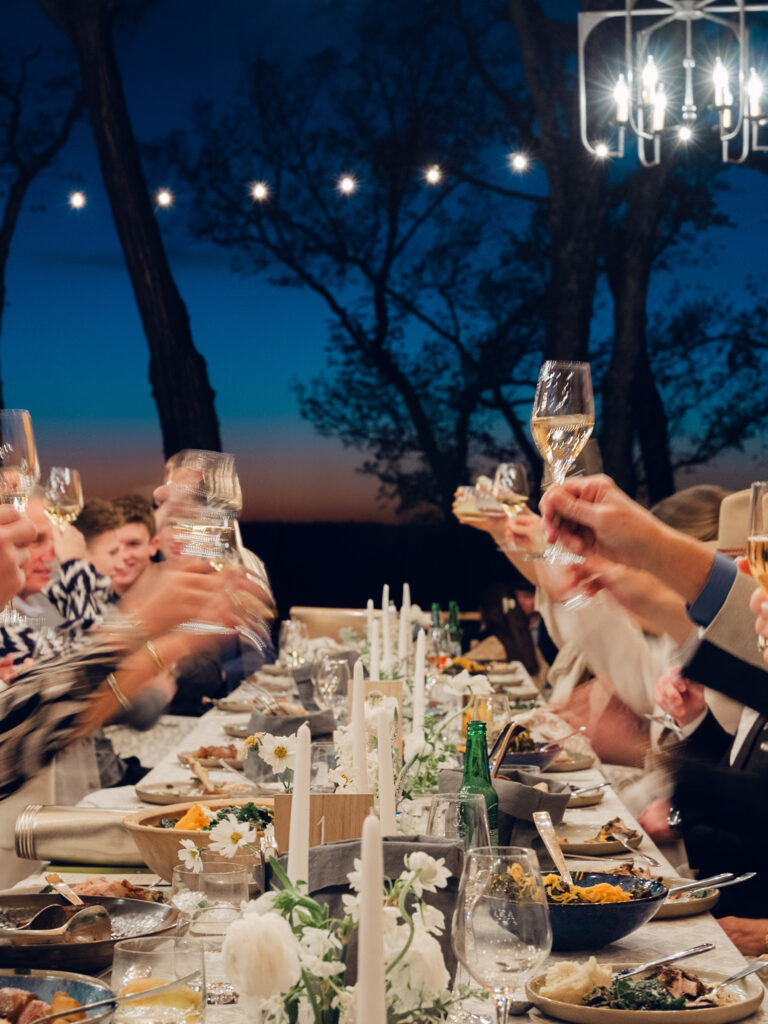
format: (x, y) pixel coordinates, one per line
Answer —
(685, 74)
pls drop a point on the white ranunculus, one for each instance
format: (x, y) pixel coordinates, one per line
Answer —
(339, 778)
(263, 904)
(279, 752)
(355, 877)
(429, 874)
(432, 919)
(261, 956)
(421, 976)
(416, 745)
(230, 835)
(374, 702)
(477, 686)
(316, 944)
(189, 855)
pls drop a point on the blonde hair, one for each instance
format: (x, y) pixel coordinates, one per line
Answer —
(694, 510)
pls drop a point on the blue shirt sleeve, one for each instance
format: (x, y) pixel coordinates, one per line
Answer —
(715, 590)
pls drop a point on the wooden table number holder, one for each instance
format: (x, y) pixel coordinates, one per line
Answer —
(332, 817)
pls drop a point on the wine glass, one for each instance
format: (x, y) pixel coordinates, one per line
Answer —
(757, 540)
(63, 496)
(501, 931)
(562, 419)
(511, 490)
(293, 642)
(492, 709)
(462, 818)
(332, 684)
(437, 649)
(19, 472)
(210, 476)
(143, 964)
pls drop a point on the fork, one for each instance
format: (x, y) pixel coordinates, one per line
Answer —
(635, 853)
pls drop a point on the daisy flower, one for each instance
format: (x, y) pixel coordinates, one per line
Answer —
(230, 835)
(279, 752)
(189, 855)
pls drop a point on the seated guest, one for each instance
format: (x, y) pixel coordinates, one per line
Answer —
(138, 540)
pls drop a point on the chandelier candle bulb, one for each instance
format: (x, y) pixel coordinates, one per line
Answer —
(374, 664)
(650, 80)
(419, 679)
(659, 109)
(754, 94)
(359, 736)
(386, 774)
(621, 95)
(298, 841)
(720, 79)
(371, 991)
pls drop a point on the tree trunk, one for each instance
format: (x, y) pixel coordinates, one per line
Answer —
(177, 371)
(629, 260)
(651, 429)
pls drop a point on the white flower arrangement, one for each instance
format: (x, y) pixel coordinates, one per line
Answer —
(287, 957)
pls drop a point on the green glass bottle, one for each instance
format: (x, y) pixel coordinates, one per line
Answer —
(437, 615)
(455, 634)
(477, 776)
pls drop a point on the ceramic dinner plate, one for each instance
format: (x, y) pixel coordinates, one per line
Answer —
(234, 705)
(210, 762)
(586, 799)
(175, 792)
(689, 904)
(749, 992)
(571, 761)
(238, 730)
(581, 840)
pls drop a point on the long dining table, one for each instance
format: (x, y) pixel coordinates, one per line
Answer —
(652, 940)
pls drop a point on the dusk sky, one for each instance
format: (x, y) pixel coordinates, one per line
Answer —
(72, 348)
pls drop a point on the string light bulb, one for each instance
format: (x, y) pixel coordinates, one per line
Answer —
(519, 162)
(347, 184)
(164, 198)
(77, 200)
(601, 150)
(259, 191)
(684, 133)
(433, 175)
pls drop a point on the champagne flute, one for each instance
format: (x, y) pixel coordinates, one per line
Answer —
(757, 541)
(562, 419)
(19, 472)
(501, 931)
(332, 686)
(63, 496)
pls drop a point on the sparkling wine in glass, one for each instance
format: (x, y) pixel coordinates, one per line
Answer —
(63, 496)
(19, 472)
(757, 540)
(501, 931)
(562, 419)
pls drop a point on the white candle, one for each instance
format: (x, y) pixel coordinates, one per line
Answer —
(386, 774)
(406, 596)
(402, 638)
(298, 838)
(385, 598)
(386, 639)
(371, 989)
(369, 618)
(359, 735)
(374, 665)
(419, 675)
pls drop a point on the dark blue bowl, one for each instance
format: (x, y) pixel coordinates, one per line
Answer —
(543, 756)
(587, 926)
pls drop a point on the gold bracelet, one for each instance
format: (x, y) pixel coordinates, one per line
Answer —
(155, 655)
(120, 697)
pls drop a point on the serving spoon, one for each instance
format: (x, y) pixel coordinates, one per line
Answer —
(86, 924)
(543, 822)
(671, 958)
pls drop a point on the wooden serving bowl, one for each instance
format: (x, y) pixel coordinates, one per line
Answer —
(160, 846)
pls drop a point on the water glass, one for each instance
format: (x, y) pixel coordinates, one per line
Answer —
(208, 930)
(143, 964)
(501, 931)
(220, 883)
(461, 818)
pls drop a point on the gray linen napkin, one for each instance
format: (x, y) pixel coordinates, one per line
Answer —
(517, 802)
(321, 723)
